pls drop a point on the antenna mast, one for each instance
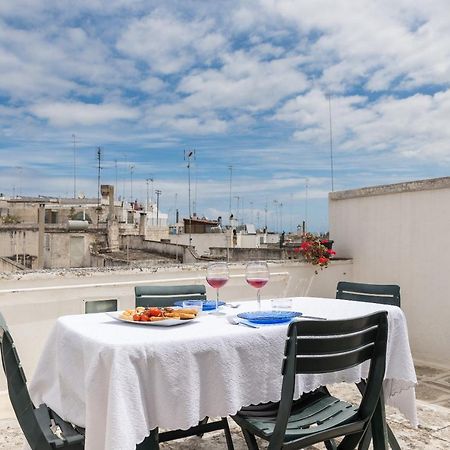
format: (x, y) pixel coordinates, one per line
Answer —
(188, 154)
(99, 158)
(74, 166)
(331, 145)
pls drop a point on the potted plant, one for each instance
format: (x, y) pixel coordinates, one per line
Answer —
(315, 250)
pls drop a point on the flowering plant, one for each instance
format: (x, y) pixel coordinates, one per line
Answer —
(315, 250)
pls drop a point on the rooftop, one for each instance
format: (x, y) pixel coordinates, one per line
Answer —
(433, 407)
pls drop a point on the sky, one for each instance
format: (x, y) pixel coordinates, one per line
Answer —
(282, 101)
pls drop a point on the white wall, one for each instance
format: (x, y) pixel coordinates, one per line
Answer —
(401, 234)
(201, 241)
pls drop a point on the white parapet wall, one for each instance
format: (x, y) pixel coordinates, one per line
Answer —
(32, 302)
(400, 234)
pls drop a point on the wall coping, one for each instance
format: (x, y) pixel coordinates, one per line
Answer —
(397, 188)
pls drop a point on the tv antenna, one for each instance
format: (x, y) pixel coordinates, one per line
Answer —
(188, 156)
(75, 142)
(99, 168)
(331, 145)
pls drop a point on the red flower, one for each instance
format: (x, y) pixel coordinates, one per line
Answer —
(297, 249)
(322, 260)
(325, 241)
(305, 246)
(331, 252)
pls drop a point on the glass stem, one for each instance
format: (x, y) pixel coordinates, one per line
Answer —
(217, 299)
(258, 298)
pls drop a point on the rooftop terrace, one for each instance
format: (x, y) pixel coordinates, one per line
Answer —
(433, 406)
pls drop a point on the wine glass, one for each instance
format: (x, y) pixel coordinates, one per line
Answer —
(257, 275)
(217, 275)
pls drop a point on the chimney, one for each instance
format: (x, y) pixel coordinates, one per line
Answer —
(142, 220)
(108, 191)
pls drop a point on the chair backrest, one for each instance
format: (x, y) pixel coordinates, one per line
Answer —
(18, 391)
(387, 294)
(333, 345)
(168, 295)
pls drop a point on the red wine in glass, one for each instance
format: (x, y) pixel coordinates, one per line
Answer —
(216, 283)
(257, 275)
(217, 275)
(257, 283)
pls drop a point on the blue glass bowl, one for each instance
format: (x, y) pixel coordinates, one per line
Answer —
(208, 305)
(267, 317)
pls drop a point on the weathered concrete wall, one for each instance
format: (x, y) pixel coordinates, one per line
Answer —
(202, 241)
(178, 252)
(400, 234)
(57, 250)
(16, 241)
(249, 254)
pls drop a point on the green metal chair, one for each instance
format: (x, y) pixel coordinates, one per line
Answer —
(319, 347)
(42, 427)
(166, 295)
(386, 294)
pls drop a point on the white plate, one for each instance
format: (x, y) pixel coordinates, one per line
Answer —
(158, 323)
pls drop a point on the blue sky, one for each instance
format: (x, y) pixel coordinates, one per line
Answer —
(245, 84)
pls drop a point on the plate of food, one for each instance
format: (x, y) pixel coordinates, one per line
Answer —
(269, 317)
(163, 317)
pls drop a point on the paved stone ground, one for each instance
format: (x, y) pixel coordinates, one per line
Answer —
(433, 407)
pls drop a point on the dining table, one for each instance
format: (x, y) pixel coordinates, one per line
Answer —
(119, 380)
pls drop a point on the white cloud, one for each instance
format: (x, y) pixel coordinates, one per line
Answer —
(413, 126)
(170, 45)
(72, 114)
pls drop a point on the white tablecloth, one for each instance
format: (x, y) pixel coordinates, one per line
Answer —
(121, 380)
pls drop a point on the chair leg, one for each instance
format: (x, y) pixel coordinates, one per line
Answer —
(350, 442)
(150, 442)
(365, 441)
(392, 439)
(379, 432)
(203, 422)
(226, 430)
(391, 436)
(250, 440)
(330, 445)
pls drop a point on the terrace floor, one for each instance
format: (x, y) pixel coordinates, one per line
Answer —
(433, 433)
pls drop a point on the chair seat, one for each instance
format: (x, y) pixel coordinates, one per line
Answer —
(68, 435)
(314, 414)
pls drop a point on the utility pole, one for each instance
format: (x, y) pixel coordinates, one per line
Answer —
(331, 145)
(265, 216)
(281, 216)
(131, 182)
(74, 166)
(306, 204)
(147, 180)
(230, 168)
(275, 202)
(115, 186)
(188, 154)
(158, 193)
(99, 158)
(175, 209)
(237, 207)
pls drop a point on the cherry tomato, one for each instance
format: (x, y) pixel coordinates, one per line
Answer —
(155, 312)
(144, 318)
(137, 317)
